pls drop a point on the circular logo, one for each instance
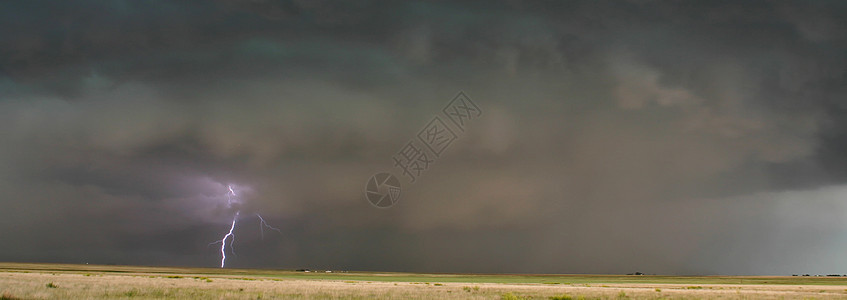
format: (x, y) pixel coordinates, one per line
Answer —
(383, 190)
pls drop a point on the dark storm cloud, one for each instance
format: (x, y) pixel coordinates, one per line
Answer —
(663, 137)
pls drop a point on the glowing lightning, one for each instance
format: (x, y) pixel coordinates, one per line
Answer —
(229, 195)
(263, 224)
(223, 241)
(231, 235)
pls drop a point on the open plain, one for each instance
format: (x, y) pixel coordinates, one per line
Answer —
(65, 281)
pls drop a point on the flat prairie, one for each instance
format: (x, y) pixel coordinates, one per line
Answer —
(65, 281)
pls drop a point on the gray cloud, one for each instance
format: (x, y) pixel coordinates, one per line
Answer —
(659, 137)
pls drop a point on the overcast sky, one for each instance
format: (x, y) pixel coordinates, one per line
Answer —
(671, 137)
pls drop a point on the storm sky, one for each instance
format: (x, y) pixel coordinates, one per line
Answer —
(669, 137)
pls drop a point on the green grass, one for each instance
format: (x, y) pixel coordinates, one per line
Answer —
(511, 296)
(249, 274)
(572, 279)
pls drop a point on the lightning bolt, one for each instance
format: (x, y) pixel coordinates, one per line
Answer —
(263, 225)
(230, 194)
(223, 241)
(230, 235)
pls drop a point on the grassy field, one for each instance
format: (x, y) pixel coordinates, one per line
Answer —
(64, 281)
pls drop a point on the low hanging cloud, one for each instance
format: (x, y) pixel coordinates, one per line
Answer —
(616, 136)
